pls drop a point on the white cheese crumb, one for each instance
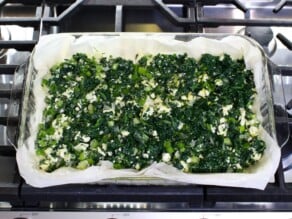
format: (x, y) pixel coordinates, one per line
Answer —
(152, 95)
(125, 133)
(81, 147)
(163, 109)
(226, 109)
(85, 138)
(254, 131)
(180, 125)
(218, 82)
(223, 127)
(119, 101)
(68, 92)
(166, 157)
(91, 97)
(204, 93)
(45, 165)
(203, 77)
(137, 166)
(62, 152)
(256, 156)
(213, 129)
(242, 116)
(110, 153)
(79, 78)
(238, 166)
(185, 166)
(48, 151)
(104, 146)
(100, 151)
(184, 97)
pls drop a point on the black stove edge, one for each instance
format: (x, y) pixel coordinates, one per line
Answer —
(113, 193)
(195, 196)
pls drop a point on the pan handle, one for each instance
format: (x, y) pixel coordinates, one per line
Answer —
(15, 102)
(280, 104)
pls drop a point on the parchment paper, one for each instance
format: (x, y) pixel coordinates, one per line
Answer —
(53, 49)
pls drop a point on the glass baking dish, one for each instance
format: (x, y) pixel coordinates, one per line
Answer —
(265, 88)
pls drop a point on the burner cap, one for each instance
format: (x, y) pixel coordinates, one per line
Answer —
(263, 35)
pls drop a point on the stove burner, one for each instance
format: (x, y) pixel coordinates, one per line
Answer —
(264, 36)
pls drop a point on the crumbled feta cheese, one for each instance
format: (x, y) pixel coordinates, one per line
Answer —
(185, 166)
(68, 92)
(125, 133)
(107, 109)
(242, 116)
(150, 106)
(137, 166)
(226, 109)
(218, 82)
(254, 131)
(173, 92)
(191, 98)
(256, 156)
(119, 101)
(91, 97)
(48, 151)
(110, 153)
(45, 165)
(58, 134)
(81, 147)
(85, 138)
(180, 125)
(100, 151)
(104, 146)
(213, 129)
(61, 152)
(238, 166)
(178, 103)
(163, 109)
(79, 78)
(184, 97)
(223, 127)
(203, 78)
(77, 136)
(204, 93)
(166, 157)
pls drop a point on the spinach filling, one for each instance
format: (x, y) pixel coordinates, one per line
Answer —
(193, 114)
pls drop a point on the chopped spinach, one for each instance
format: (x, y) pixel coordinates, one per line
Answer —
(193, 114)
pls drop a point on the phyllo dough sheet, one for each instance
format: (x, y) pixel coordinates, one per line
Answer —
(53, 49)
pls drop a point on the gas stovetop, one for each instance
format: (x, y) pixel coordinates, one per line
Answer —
(23, 22)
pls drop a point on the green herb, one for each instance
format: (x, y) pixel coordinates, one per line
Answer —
(193, 114)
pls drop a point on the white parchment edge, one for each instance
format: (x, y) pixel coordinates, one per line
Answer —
(53, 49)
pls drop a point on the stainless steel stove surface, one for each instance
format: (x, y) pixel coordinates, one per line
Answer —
(23, 22)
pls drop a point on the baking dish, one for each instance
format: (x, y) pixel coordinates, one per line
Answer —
(53, 48)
